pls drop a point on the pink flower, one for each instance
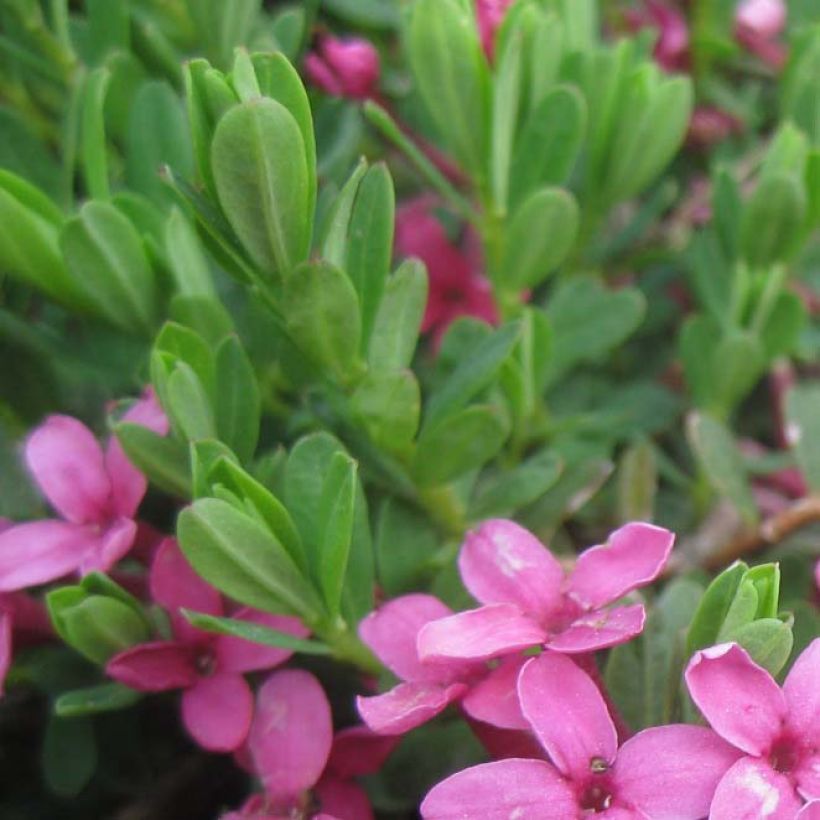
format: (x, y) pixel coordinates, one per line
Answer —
(757, 24)
(344, 68)
(428, 688)
(777, 731)
(664, 773)
(490, 15)
(217, 703)
(528, 601)
(24, 621)
(294, 752)
(672, 47)
(710, 125)
(457, 286)
(96, 493)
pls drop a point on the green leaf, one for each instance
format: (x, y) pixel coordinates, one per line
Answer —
(163, 460)
(256, 633)
(336, 510)
(243, 77)
(742, 610)
(637, 483)
(506, 101)
(512, 489)
(803, 430)
(322, 314)
(238, 400)
(461, 442)
(549, 144)
(181, 344)
(737, 364)
(93, 146)
(108, 27)
(337, 222)
(105, 256)
(389, 406)
(189, 405)
(95, 700)
(186, 258)
(769, 642)
(235, 554)
(475, 373)
(721, 460)
(452, 77)
(204, 315)
(713, 607)
(69, 755)
(398, 319)
(260, 168)
(540, 235)
(781, 333)
(205, 453)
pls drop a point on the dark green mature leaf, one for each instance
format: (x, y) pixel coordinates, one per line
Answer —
(637, 483)
(94, 700)
(234, 553)
(452, 77)
(780, 335)
(105, 255)
(539, 237)
(260, 168)
(69, 755)
(238, 402)
(460, 442)
(803, 430)
(322, 314)
(93, 147)
(254, 632)
(398, 319)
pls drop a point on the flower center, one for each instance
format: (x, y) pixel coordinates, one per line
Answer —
(205, 663)
(596, 796)
(784, 755)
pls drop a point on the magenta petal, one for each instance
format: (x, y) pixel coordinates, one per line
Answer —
(217, 711)
(478, 634)
(67, 463)
(568, 713)
(357, 751)
(739, 699)
(240, 655)
(599, 630)
(5, 647)
(502, 562)
(343, 800)
(41, 551)
(802, 692)
(155, 667)
(494, 699)
(291, 733)
(526, 789)
(113, 544)
(392, 629)
(811, 811)
(671, 772)
(632, 557)
(752, 789)
(406, 706)
(807, 772)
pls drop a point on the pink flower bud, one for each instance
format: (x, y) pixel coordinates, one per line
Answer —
(710, 125)
(765, 18)
(344, 68)
(490, 16)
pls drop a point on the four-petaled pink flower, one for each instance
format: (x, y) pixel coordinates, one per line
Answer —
(344, 68)
(96, 492)
(217, 704)
(777, 731)
(486, 694)
(672, 46)
(298, 760)
(529, 602)
(757, 24)
(664, 773)
(457, 286)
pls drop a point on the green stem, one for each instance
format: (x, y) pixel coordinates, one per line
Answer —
(347, 648)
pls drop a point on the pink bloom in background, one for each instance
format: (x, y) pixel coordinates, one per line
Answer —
(757, 25)
(96, 493)
(490, 16)
(344, 67)
(428, 688)
(217, 704)
(457, 286)
(777, 731)
(529, 602)
(23, 621)
(710, 125)
(672, 47)
(665, 773)
(294, 753)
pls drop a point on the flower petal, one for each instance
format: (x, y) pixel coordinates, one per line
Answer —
(240, 655)
(479, 634)
(515, 788)
(406, 706)
(113, 543)
(357, 751)
(155, 667)
(739, 699)
(802, 692)
(600, 629)
(67, 463)
(567, 713)
(671, 772)
(5, 647)
(751, 788)
(494, 699)
(391, 632)
(501, 562)
(807, 773)
(811, 811)
(41, 551)
(217, 711)
(632, 557)
(291, 733)
(343, 800)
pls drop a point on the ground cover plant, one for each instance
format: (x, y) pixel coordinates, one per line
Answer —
(410, 408)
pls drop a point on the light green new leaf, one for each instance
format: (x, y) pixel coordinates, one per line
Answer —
(389, 406)
(238, 403)
(94, 700)
(162, 459)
